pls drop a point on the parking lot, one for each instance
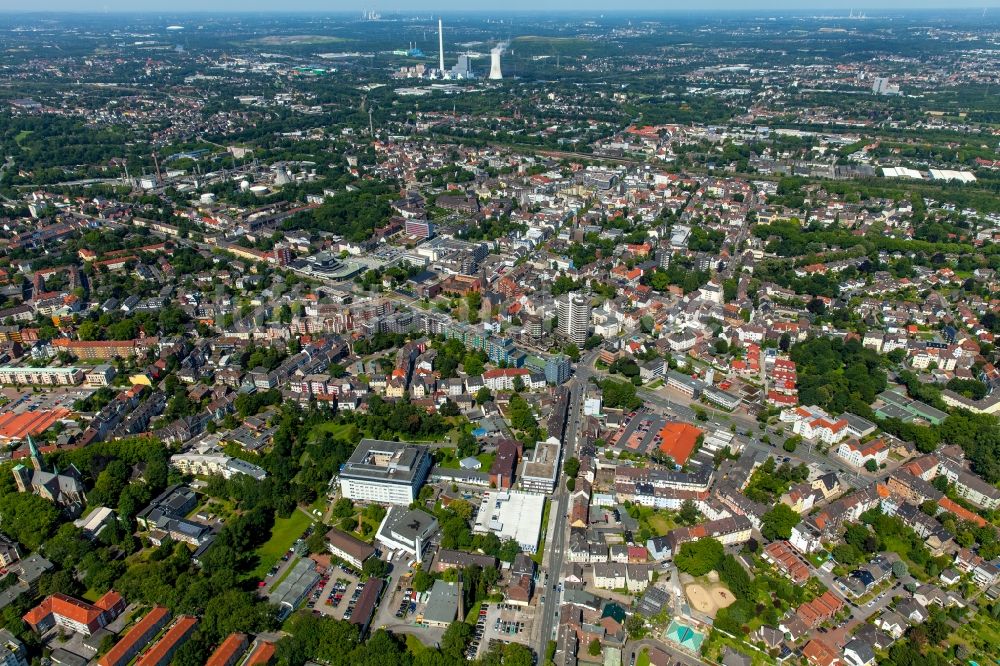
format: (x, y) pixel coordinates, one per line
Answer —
(500, 622)
(339, 594)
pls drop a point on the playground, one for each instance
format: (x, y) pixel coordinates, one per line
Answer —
(709, 595)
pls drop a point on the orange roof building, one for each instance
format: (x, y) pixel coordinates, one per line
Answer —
(820, 653)
(961, 512)
(73, 614)
(137, 638)
(229, 652)
(262, 654)
(14, 426)
(678, 440)
(178, 634)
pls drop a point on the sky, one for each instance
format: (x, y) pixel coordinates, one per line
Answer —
(595, 6)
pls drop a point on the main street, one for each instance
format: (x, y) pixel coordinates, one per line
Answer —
(556, 550)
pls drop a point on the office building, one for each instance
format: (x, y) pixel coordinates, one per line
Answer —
(352, 550)
(557, 369)
(75, 615)
(443, 605)
(420, 228)
(574, 318)
(166, 517)
(408, 530)
(881, 86)
(386, 472)
(540, 471)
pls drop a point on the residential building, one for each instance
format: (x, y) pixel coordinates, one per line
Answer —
(47, 376)
(176, 636)
(137, 638)
(12, 650)
(857, 454)
(229, 651)
(574, 318)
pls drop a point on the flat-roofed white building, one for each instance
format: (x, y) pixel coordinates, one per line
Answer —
(540, 471)
(512, 515)
(385, 472)
(47, 376)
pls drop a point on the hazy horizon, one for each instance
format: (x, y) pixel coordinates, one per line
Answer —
(568, 6)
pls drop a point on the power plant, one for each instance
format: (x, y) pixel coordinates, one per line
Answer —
(495, 73)
(440, 48)
(460, 72)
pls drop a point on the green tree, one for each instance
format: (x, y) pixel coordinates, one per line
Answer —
(635, 625)
(594, 649)
(27, 518)
(455, 638)
(572, 466)
(375, 568)
(689, 513)
(778, 522)
(422, 581)
(699, 557)
(509, 549)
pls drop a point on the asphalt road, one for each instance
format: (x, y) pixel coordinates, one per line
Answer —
(557, 514)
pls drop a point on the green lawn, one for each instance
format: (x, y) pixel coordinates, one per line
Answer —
(643, 658)
(657, 521)
(446, 458)
(473, 613)
(283, 535)
(347, 431)
(413, 645)
(537, 557)
(980, 633)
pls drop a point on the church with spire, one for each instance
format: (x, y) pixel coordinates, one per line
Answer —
(62, 488)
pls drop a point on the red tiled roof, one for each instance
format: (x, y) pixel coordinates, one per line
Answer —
(820, 653)
(961, 512)
(678, 440)
(262, 654)
(232, 647)
(109, 600)
(68, 607)
(129, 644)
(176, 634)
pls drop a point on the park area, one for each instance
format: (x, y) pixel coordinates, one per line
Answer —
(283, 536)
